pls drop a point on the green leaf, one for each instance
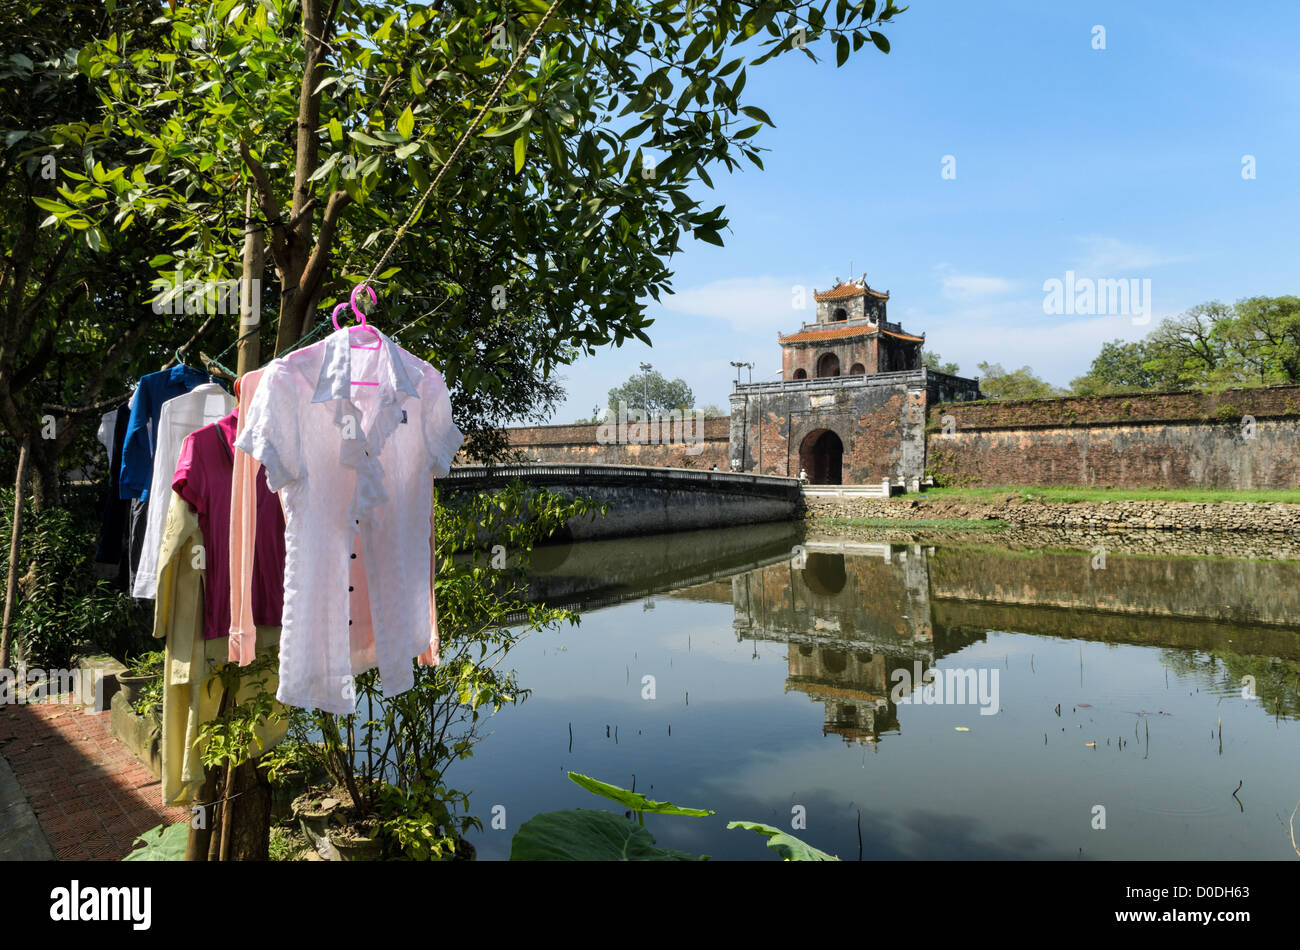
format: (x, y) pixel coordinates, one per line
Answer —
(521, 148)
(841, 50)
(161, 844)
(788, 846)
(634, 800)
(336, 131)
(54, 207)
(585, 835)
(754, 112)
(881, 42)
(406, 123)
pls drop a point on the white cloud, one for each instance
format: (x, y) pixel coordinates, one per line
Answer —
(971, 286)
(1100, 256)
(749, 304)
(1018, 334)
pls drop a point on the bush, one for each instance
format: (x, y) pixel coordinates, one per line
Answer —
(62, 607)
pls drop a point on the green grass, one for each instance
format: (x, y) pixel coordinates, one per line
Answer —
(1065, 495)
(944, 524)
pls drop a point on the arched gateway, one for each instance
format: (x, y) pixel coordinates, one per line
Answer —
(821, 455)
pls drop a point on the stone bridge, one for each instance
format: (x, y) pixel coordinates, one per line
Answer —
(645, 500)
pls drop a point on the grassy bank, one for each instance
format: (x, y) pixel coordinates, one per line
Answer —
(941, 524)
(1066, 495)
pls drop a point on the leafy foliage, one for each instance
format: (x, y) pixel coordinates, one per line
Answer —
(62, 607)
(161, 843)
(936, 362)
(788, 846)
(1212, 346)
(583, 835)
(651, 392)
(998, 383)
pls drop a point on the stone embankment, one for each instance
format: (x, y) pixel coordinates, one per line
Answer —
(1267, 527)
(1110, 515)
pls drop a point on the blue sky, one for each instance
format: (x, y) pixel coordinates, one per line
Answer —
(1119, 163)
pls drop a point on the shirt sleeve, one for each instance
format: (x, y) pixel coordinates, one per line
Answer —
(271, 432)
(137, 451)
(441, 436)
(188, 478)
(242, 645)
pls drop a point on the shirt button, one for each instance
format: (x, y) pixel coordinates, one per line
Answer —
(354, 557)
(349, 623)
(351, 588)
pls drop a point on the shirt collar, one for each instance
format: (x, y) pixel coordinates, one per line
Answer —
(335, 380)
(180, 373)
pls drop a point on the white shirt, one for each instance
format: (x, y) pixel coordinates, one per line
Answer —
(353, 466)
(180, 416)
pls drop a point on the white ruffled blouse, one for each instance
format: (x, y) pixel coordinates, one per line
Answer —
(353, 468)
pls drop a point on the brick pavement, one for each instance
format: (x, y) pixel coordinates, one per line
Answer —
(91, 796)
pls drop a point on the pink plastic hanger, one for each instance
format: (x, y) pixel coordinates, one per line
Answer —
(361, 327)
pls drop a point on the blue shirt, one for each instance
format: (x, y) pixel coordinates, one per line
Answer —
(138, 445)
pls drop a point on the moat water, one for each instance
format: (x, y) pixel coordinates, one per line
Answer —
(1114, 707)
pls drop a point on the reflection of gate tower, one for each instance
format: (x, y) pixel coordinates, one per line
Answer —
(850, 406)
(850, 615)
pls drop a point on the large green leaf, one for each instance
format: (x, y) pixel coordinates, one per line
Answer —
(635, 800)
(788, 846)
(161, 844)
(585, 835)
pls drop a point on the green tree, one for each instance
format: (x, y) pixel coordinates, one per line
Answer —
(1192, 349)
(934, 361)
(1264, 335)
(651, 391)
(998, 383)
(552, 226)
(1119, 367)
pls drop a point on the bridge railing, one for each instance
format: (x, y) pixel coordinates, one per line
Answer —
(579, 473)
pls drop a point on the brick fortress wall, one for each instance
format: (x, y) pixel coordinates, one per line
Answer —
(1174, 440)
(581, 444)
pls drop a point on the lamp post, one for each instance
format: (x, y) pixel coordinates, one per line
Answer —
(748, 366)
(645, 389)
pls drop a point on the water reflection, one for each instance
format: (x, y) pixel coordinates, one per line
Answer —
(1113, 681)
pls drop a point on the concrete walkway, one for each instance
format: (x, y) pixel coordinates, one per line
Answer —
(69, 790)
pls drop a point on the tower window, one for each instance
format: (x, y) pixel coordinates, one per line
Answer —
(857, 370)
(801, 374)
(840, 314)
(828, 365)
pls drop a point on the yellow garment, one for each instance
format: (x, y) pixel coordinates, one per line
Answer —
(191, 693)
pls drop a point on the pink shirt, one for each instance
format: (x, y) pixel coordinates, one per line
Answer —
(203, 478)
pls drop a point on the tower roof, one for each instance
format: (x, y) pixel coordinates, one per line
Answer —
(839, 333)
(848, 290)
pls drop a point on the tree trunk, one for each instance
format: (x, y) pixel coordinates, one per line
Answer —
(11, 584)
(250, 293)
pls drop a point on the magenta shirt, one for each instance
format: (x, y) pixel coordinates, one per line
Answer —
(203, 475)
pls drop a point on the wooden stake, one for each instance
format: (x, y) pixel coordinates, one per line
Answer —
(11, 584)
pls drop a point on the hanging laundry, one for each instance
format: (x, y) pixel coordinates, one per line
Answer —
(112, 546)
(189, 699)
(204, 470)
(250, 520)
(138, 451)
(353, 470)
(178, 417)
